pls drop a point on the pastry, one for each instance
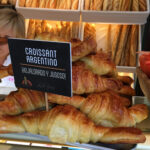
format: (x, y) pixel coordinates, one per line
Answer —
(105, 109)
(66, 124)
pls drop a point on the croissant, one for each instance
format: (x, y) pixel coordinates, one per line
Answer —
(100, 64)
(85, 81)
(105, 109)
(66, 124)
(22, 101)
(5, 71)
(125, 79)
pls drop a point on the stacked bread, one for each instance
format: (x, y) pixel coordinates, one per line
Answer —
(52, 4)
(13, 2)
(103, 115)
(115, 5)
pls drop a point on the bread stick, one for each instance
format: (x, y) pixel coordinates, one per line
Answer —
(134, 45)
(22, 3)
(126, 5)
(74, 4)
(116, 41)
(31, 29)
(42, 4)
(126, 50)
(28, 3)
(116, 5)
(92, 5)
(87, 4)
(67, 3)
(142, 5)
(135, 5)
(53, 4)
(98, 4)
(107, 5)
(108, 39)
(121, 46)
(127, 53)
(120, 4)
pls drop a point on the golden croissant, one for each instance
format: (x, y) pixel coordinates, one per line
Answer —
(100, 64)
(66, 124)
(5, 71)
(22, 101)
(105, 108)
(85, 81)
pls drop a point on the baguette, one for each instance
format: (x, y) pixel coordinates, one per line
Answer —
(122, 43)
(87, 4)
(28, 3)
(127, 53)
(142, 5)
(53, 4)
(107, 5)
(116, 5)
(116, 41)
(92, 5)
(108, 39)
(74, 4)
(22, 3)
(34, 3)
(134, 45)
(126, 5)
(42, 3)
(126, 50)
(98, 4)
(135, 5)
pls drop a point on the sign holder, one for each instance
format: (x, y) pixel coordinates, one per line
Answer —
(46, 101)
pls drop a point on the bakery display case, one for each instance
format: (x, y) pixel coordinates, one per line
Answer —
(104, 112)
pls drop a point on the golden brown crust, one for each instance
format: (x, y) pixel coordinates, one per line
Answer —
(106, 108)
(31, 29)
(116, 5)
(142, 5)
(133, 45)
(28, 3)
(98, 4)
(122, 43)
(22, 3)
(100, 64)
(144, 82)
(126, 5)
(116, 41)
(87, 4)
(85, 81)
(34, 3)
(74, 4)
(125, 79)
(21, 101)
(66, 124)
(107, 5)
(42, 3)
(126, 90)
(135, 5)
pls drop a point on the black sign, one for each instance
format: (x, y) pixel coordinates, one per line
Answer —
(42, 65)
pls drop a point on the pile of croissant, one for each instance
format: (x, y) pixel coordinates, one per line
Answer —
(99, 110)
(116, 5)
(52, 4)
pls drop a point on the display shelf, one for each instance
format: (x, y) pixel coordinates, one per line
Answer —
(119, 17)
(34, 140)
(49, 14)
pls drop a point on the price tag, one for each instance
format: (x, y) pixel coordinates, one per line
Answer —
(42, 65)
